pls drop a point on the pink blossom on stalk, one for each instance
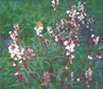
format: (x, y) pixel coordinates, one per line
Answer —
(46, 78)
(19, 77)
(30, 53)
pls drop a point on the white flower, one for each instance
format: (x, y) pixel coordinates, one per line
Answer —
(71, 50)
(39, 30)
(15, 59)
(14, 64)
(72, 56)
(49, 29)
(88, 73)
(66, 67)
(16, 26)
(65, 43)
(92, 35)
(95, 38)
(54, 3)
(68, 11)
(80, 7)
(56, 40)
(78, 79)
(12, 55)
(72, 45)
(20, 62)
(67, 54)
(67, 47)
(17, 73)
(77, 13)
(16, 51)
(90, 57)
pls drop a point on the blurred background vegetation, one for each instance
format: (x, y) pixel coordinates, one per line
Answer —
(27, 12)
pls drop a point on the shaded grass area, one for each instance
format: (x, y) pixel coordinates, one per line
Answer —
(26, 13)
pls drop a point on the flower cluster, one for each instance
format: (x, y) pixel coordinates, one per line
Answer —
(57, 38)
(17, 53)
(81, 12)
(65, 29)
(69, 46)
(13, 35)
(72, 13)
(76, 16)
(30, 53)
(54, 3)
(90, 56)
(88, 73)
(39, 28)
(95, 39)
(16, 26)
(63, 22)
(79, 79)
(49, 29)
(19, 77)
(46, 78)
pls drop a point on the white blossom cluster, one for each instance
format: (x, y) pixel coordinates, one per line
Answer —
(56, 38)
(17, 53)
(88, 73)
(99, 56)
(58, 26)
(90, 20)
(39, 30)
(16, 26)
(69, 46)
(49, 29)
(13, 35)
(63, 22)
(90, 56)
(72, 14)
(80, 6)
(80, 14)
(54, 3)
(95, 39)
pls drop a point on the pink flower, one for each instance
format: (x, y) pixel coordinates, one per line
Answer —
(46, 78)
(30, 53)
(19, 77)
